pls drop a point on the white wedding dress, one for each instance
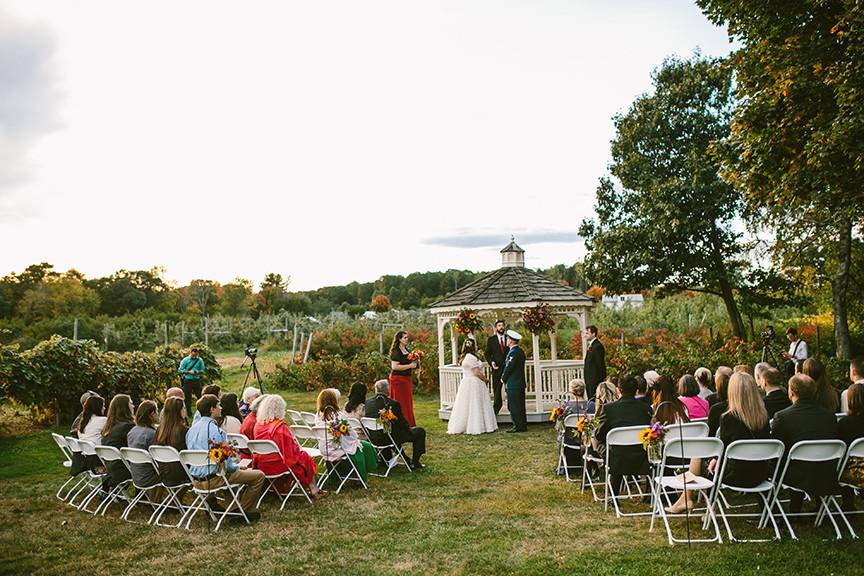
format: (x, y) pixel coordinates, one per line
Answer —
(472, 411)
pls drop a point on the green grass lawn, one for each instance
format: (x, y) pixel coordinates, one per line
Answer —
(484, 505)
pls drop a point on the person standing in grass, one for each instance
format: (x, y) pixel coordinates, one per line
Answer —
(401, 385)
(191, 370)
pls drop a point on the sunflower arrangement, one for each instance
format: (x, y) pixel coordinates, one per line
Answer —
(386, 418)
(584, 427)
(559, 413)
(220, 453)
(652, 439)
(339, 428)
(538, 319)
(467, 321)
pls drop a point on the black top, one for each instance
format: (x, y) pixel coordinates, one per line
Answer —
(628, 411)
(775, 401)
(742, 473)
(400, 358)
(851, 428)
(714, 413)
(807, 420)
(495, 352)
(399, 428)
(117, 437)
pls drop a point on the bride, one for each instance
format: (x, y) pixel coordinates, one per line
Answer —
(472, 411)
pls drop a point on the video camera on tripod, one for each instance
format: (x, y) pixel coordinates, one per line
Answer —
(252, 354)
(767, 351)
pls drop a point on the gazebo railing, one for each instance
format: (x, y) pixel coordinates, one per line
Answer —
(555, 376)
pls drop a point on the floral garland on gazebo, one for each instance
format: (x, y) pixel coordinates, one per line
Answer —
(467, 321)
(538, 319)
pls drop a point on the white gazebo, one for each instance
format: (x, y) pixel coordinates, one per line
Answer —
(505, 293)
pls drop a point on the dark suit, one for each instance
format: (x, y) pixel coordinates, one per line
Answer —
(806, 420)
(399, 429)
(514, 379)
(496, 353)
(624, 460)
(595, 366)
(775, 401)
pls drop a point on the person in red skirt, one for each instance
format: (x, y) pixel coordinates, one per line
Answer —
(401, 385)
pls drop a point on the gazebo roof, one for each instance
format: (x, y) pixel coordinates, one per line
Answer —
(511, 285)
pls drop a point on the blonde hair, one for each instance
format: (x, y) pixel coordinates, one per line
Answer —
(577, 388)
(272, 407)
(745, 402)
(605, 393)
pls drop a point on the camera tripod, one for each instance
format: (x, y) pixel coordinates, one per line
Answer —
(253, 369)
(768, 354)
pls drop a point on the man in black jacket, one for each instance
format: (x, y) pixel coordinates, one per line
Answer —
(595, 361)
(776, 399)
(627, 411)
(399, 429)
(496, 352)
(806, 420)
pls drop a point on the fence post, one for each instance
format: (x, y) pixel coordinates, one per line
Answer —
(75, 330)
(308, 347)
(294, 343)
(206, 331)
(165, 329)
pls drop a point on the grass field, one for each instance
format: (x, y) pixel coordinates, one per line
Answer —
(484, 505)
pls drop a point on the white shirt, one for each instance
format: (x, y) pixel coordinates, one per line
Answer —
(93, 431)
(231, 425)
(799, 353)
(844, 398)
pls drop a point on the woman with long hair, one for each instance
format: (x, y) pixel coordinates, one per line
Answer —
(718, 401)
(668, 409)
(826, 395)
(688, 394)
(361, 452)
(401, 385)
(141, 436)
(356, 405)
(851, 427)
(172, 432)
(231, 420)
(472, 411)
(90, 425)
(271, 426)
(115, 433)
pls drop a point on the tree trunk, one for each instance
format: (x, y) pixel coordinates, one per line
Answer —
(732, 309)
(843, 347)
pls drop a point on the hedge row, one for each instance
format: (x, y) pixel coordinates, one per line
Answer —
(50, 377)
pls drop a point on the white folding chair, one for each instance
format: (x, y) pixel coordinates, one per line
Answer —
(169, 455)
(84, 478)
(620, 437)
(325, 442)
(138, 457)
(295, 417)
(686, 449)
(813, 451)
(855, 450)
(307, 441)
(201, 458)
(747, 451)
(356, 425)
(265, 448)
(67, 463)
(695, 429)
(372, 425)
(308, 419)
(94, 481)
(570, 421)
(239, 440)
(109, 454)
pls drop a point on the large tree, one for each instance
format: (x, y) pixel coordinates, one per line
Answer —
(797, 142)
(668, 220)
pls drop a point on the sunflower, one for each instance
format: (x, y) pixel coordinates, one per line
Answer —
(216, 454)
(645, 435)
(343, 428)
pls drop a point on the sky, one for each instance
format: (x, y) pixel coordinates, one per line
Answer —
(328, 141)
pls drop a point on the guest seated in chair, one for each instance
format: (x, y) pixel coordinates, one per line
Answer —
(115, 433)
(851, 428)
(361, 452)
(141, 436)
(626, 411)
(271, 426)
(400, 430)
(688, 394)
(248, 426)
(172, 432)
(205, 429)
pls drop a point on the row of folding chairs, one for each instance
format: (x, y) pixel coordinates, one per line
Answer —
(690, 440)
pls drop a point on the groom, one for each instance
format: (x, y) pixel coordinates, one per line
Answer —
(513, 378)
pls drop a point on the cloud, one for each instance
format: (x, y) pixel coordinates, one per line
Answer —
(29, 97)
(489, 240)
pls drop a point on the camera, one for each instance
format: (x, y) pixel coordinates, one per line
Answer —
(768, 334)
(251, 352)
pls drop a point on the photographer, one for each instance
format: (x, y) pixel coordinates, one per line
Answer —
(797, 351)
(191, 369)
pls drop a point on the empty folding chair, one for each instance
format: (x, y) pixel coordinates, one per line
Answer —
(813, 451)
(624, 438)
(343, 468)
(136, 457)
(296, 418)
(201, 458)
(307, 441)
(110, 454)
(686, 449)
(264, 448)
(308, 418)
(747, 451)
(372, 425)
(239, 440)
(564, 448)
(169, 456)
(855, 450)
(67, 463)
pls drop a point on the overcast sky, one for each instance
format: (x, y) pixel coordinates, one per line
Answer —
(327, 141)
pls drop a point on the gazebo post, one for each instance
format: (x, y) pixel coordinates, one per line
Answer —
(454, 345)
(538, 377)
(583, 325)
(553, 342)
(441, 359)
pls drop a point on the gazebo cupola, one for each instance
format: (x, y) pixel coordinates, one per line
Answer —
(505, 293)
